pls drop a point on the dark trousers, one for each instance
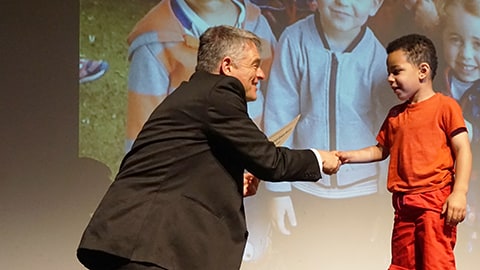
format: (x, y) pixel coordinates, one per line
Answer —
(98, 260)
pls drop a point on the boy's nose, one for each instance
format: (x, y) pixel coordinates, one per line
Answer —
(390, 78)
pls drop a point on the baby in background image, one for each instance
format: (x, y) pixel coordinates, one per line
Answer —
(460, 20)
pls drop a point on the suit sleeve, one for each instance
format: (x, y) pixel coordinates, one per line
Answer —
(230, 124)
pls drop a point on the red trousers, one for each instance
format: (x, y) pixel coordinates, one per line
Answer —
(420, 239)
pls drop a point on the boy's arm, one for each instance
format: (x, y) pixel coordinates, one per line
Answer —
(456, 204)
(364, 155)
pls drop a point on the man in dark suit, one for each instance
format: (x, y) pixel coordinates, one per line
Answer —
(177, 201)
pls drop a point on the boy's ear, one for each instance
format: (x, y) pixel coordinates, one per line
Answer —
(376, 4)
(424, 70)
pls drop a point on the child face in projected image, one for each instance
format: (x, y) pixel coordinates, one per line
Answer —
(346, 17)
(461, 42)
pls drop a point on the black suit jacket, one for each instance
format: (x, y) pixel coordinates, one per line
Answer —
(177, 199)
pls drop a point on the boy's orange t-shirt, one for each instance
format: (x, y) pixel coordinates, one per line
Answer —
(418, 137)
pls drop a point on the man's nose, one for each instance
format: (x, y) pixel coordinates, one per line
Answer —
(260, 74)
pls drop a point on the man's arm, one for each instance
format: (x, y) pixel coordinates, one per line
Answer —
(229, 123)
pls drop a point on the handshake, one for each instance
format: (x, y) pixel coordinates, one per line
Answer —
(331, 161)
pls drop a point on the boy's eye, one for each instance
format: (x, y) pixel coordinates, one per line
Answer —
(395, 71)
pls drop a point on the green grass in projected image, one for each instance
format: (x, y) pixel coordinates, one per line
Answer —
(104, 26)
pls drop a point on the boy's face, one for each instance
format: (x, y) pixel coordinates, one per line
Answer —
(461, 42)
(347, 15)
(403, 76)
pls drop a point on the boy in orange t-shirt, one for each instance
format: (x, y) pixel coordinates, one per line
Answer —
(430, 159)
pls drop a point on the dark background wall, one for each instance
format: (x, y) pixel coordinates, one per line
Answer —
(46, 191)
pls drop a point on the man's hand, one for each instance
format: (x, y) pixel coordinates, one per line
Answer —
(250, 184)
(331, 163)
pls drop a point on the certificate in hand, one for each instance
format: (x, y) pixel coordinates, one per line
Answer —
(281, 135)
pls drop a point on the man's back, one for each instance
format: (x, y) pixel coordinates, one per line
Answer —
(170, 169)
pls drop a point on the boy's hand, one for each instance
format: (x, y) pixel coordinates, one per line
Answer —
(455, 208)
(343, 156)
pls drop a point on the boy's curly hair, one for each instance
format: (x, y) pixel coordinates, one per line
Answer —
(418, 49)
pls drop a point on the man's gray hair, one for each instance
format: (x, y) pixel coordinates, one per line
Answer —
(220, 41)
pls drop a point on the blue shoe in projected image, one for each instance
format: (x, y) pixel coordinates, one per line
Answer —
(90, 70)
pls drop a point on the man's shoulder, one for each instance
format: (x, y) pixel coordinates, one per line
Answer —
(207, 80)
(215, 78)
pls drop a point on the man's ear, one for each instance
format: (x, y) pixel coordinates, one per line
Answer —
(226, 66)
(375, 7)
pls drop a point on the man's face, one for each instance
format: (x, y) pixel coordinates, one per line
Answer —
(247, 70)
(461, 42)
(344, 16)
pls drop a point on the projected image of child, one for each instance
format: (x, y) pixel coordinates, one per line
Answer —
(330, 68)
(460, 21)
